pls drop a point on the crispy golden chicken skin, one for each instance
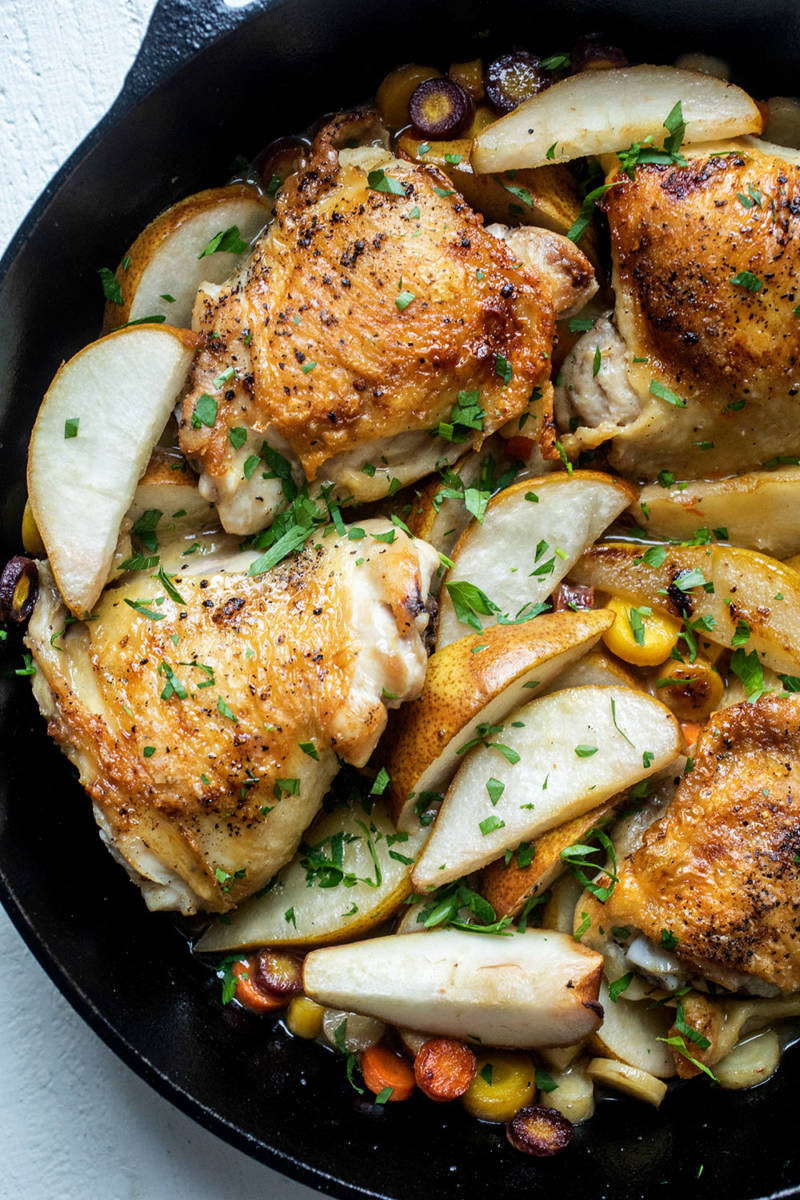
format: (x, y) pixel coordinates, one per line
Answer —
(720, 869)
(375, 297)
(208, 730)
(706, 273)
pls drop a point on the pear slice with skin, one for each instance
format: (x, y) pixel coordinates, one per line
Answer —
(532, 533)
(561, 755)
(508, 886)
(475, 681)
(167, 259)
(748, 589)
(324, 915)
(757, 511)
(528, 989)
(96, 427)
(595, 112)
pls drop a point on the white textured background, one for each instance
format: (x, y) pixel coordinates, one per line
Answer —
(74, 1121)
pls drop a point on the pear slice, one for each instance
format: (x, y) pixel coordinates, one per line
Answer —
(757, 511)
(747, 588)
(477, 680)
(597, 667)
(96, 427)
(595, 112)
(169, 487)
(630, 1033)
(325, 914)
(561, 756)
(165, 260)
(508, 886)
(441, 520)
(532, 533)
(528, 989)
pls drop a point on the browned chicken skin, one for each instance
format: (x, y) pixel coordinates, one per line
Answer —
(679, 238)
(188, 720)
(720, 870)
(360, 318)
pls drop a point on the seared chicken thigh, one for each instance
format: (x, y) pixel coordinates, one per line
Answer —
(707, 279)
(375, 302)
(207, 723)
(720, 869)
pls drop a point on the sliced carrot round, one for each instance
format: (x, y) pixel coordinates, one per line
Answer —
(444, 1068)
(385, 1071)
(251, 996)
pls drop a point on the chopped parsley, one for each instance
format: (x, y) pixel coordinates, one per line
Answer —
(205, 411)
(636, 619)
(619, 986)
(579, 859)
(225, 709)
(643, 152)
(495, 788)
(749, 669)
(747, 280)
(665, 393)
(503, 368)
(466, 415)
(140, 607)
(173, 685)
(227, 242)
(111, 288)
(71, 427)
(379, 181)
(380, 783)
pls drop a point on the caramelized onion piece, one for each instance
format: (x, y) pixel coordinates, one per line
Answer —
(469, 76)
(19, 583)
(515, 77)
(574, 596)
(595, 53)
(539, 1131)
(277, 974)
(441, 109)
(279, 159)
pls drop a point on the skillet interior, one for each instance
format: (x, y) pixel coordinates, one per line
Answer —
(247, 76)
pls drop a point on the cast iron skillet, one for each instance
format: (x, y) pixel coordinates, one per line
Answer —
(210, 83)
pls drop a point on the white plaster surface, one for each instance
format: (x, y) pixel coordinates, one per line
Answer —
(74, 1121)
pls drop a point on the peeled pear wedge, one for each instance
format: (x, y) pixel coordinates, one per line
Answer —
(508, 887)
(748, 587)
(630, 1031)
(758, 511)
(527, 989)
(562, 755)
(323, 915)
(595, 112)
(165, 261)
(532, 533)
(120, 391)
(630, 1027)
(474, 681)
